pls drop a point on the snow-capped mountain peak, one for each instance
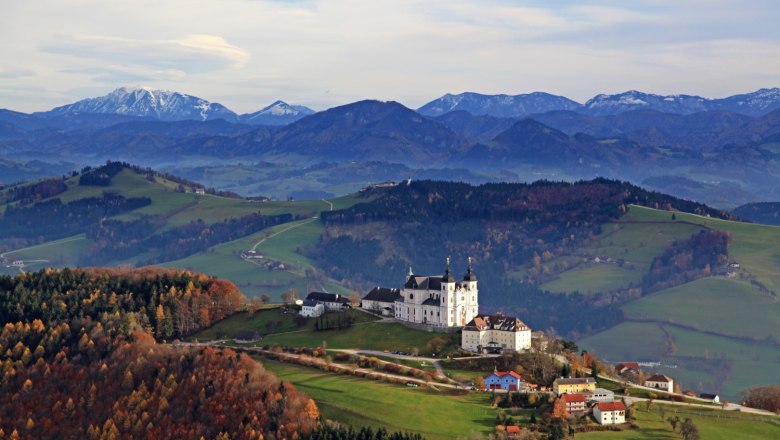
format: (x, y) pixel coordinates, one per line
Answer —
(144, 101)
(278, 113)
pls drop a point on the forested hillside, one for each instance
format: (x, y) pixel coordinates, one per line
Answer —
(80, 361)
(512, 231)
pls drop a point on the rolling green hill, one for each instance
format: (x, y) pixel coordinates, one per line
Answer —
(722, 333)
(172, 211)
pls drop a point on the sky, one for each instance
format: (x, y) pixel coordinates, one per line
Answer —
(246, 54)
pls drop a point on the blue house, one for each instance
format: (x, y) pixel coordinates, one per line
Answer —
(503, 380)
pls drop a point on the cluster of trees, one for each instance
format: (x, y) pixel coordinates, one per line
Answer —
(766, 397)
(101, 176)
(116, 240)
(35, 192)
(80, 361)
(333, 321)
(53, 219)
(686, 260)
(330, 432)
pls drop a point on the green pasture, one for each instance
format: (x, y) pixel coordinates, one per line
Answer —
(635, 243)
(282, 243)
(705, 363)
(756, 247)
(712, 425)
(267, 321)
(361, 402)
(367, 336)
(719, 305)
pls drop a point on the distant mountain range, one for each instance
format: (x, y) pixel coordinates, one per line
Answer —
(730, 157)
(752, 104)
(163, 105)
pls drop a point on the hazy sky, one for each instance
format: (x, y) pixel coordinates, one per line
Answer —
(248, 53)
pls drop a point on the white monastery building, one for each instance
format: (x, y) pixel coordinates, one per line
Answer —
(486, 333)
(437, 301)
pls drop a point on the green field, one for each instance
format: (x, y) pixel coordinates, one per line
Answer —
(279, 323)
(366, 335)
(636, 243)
(361, 402)
(704, 362)
(286, 246)
(712, 425)
(718, 305)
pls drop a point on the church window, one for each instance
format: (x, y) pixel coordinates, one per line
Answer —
(411, 296)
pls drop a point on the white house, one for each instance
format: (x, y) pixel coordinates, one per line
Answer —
(312, 309)
(333, 302)
(660, 382)
(494, 333)
(714, 398)
(610, 413)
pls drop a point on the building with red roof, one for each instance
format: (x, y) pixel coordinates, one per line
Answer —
(503, 380)
(610, 413)
(575, 403)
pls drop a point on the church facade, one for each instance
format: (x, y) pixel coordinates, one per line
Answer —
(437, 301)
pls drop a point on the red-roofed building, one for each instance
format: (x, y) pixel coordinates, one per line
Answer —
(503, 380)
(625, 367)
(575, 403)
(512, 429)
(610, 413)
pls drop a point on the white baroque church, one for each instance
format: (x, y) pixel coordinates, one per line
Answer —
(437, 301)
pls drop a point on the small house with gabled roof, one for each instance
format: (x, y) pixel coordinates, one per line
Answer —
(503, 380)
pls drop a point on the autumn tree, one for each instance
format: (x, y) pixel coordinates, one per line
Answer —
(290, 296)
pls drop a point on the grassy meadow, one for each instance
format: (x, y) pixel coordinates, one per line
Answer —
(361, 402)
(712, 425)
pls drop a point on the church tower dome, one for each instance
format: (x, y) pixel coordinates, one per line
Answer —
(470, 276)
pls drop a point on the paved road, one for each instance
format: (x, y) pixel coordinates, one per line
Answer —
(281, 232)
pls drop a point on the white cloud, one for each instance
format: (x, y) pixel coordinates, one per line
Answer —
(192, 53)
(245, 54)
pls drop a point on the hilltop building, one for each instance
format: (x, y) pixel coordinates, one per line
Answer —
(435, 301)
(492, 333)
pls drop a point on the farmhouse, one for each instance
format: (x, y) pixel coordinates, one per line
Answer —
(332, 302)
(503, 380)
(575, 404)
(714, 398)
(660, 382)
(486, 333)
(573, 385)
(246, 335)
(610, 413)
(435, 301)
(312, 309)
(627, 367)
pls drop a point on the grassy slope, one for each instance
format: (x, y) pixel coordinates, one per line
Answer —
(637, 243)
(224, 261)
(280, 323)
(729, 307)
(714, 304)
(362, 402)
(367, 333)
(711, 427)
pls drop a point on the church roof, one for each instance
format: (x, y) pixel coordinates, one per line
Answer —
(383, 294)
(322, 296)
(423, 282)
(432, 302)
(496, 322)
